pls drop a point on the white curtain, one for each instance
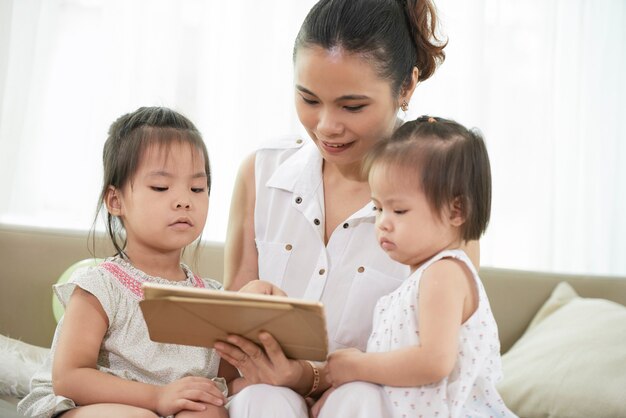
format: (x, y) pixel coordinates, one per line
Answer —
(545, 82)
(542, 79)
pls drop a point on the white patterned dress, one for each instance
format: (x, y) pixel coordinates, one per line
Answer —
(470, 390)
(126, 349)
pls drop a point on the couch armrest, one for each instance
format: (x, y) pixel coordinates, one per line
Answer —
(516, 296)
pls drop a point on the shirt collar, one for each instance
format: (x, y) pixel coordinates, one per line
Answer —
(302, 174)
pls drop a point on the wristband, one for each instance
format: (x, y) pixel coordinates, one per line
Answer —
(316, 378)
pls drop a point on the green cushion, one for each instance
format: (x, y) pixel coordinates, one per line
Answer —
(57, 308)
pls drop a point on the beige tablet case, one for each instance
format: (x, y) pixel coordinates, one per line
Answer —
(200, 317)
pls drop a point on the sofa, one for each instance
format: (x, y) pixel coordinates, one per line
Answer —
(563, 337)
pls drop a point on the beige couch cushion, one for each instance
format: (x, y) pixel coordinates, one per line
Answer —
(571, 362)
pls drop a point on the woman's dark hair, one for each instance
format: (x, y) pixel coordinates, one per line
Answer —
(394, 35)
(450, 163)
(129, 136)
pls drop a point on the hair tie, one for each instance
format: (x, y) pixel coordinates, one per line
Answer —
(432, 120)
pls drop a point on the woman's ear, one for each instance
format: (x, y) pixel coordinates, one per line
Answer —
(113, 201)
(457, 213)
(409, 88)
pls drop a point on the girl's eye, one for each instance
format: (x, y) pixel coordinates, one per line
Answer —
(399, 212)
(198, 189)
(159, 189)
(354, 108)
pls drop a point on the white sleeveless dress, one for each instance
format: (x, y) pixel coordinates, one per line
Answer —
(470, 390)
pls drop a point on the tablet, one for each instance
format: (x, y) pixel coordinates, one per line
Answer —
(200, 317)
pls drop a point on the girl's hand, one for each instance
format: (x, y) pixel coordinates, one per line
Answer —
(343, 365)
(262, 287)
(268, 365)
(189, 393)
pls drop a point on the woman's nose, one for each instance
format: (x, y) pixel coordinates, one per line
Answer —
(329, 124)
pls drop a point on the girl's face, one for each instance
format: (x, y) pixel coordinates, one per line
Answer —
(164, 207)
(407, 228)
(342, 103)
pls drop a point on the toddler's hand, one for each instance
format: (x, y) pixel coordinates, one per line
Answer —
(342, 366)
(189, 393)
(262, 287)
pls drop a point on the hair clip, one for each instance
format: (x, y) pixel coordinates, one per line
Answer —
(432, 120)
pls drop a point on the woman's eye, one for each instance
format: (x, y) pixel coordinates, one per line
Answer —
(354, 108)
(399, 212)
(198, 189)
(158, 188)
(309, 101)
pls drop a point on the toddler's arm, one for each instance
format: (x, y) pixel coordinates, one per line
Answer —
(446, 299)
(74, 373)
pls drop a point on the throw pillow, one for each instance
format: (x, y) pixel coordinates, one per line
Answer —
(570, 362)
(18, 362)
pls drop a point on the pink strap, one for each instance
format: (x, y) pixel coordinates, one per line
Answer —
(133, 283)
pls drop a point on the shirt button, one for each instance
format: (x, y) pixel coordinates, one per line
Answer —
(288, 247)
(346, 225)
(321, 272)
(316, 221)
(298, 200)
(361, 269)
(298, 141)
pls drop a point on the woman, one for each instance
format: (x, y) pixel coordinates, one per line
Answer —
(301, 216)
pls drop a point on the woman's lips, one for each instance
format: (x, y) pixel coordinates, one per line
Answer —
(335, 147)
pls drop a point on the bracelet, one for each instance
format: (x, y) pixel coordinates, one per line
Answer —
(316, 378)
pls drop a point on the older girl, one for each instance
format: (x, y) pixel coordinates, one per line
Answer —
(103, 363)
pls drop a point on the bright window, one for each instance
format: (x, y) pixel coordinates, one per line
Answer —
(543, 80)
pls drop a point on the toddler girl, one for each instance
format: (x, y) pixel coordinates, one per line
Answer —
(103, 363)
(434, 345)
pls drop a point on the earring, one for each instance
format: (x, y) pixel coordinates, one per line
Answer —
(404, 106)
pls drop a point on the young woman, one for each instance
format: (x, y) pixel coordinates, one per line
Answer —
(301, 215)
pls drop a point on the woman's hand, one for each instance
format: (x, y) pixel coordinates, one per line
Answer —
(342, 366)
(268, 365)
(189, 393)
(262, 287)
(314, 410)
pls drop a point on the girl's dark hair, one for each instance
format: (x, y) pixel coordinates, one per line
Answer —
(395, 35)
(129, 136)
(450, 163)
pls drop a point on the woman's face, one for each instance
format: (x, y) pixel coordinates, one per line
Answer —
(342, 103)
